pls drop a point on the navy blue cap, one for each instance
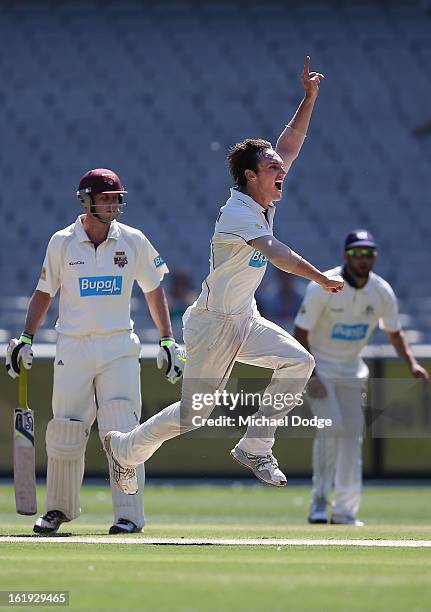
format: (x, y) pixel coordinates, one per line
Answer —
(359, 237)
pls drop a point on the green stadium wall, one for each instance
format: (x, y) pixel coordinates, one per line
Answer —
(205, 455)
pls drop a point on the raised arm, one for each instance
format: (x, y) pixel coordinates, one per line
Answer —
(282, 257)
(291, 139)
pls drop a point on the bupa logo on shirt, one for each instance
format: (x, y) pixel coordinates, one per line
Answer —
(100, 285)
(257, 260)
(158, 261)
(342, 331)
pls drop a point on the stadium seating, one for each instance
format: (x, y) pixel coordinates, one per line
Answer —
(159, 91)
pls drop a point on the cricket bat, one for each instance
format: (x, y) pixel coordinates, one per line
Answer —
(24, 464)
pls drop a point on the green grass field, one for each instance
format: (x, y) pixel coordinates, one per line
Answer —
(235, 577)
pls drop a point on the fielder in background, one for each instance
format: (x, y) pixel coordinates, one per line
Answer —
(335, 328)
(94, 262)
(223, 325)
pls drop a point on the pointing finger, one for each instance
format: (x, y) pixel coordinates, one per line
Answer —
(306, 69)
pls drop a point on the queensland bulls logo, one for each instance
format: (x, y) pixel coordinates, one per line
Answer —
(120, 258)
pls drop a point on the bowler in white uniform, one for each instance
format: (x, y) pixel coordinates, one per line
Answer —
(94, 263)
(223, 325)
(335, 328)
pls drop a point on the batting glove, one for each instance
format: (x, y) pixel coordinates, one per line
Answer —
(175, 357)
(19, 350)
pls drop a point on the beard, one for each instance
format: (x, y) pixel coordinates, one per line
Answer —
(362, 273)
(359, 272)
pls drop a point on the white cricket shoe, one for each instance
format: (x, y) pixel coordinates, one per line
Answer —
(124, 526)
(264, 467)
(318, 511)
(123, 476)
(346, 519)
(50, 522)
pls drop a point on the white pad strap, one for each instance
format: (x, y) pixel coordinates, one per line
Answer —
(66, 440)
(122, 415)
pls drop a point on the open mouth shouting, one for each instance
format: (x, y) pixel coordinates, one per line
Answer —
(279, 186)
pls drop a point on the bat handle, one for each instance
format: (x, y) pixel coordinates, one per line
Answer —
(22, 388)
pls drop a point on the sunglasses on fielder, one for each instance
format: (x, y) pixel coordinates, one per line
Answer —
(369, 252)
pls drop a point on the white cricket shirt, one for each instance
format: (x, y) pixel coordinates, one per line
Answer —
(236, 268)
(96, 284)
(340, 324)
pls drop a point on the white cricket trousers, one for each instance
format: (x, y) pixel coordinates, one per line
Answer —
(98, 367)
(337, 451)
(95, 376)
(214, 342)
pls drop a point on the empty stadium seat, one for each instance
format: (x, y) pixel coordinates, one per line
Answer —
(159, 91)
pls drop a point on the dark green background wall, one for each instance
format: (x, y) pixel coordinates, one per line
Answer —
(203, 454)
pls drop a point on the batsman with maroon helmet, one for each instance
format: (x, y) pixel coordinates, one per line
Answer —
(94, 263)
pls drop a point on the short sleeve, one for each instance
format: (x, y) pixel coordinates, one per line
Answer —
(241, 223)
(314, 302)
(389, 320)
(50, 278)
(150, 266)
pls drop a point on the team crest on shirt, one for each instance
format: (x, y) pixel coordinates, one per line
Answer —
(369, 310)
(120, 258)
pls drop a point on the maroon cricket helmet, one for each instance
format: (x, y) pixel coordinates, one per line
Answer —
(101, 180)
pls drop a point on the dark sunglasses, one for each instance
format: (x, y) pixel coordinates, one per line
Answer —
(362, 252)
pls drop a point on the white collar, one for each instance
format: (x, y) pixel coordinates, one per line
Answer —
(246, 199)
(113, 232)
